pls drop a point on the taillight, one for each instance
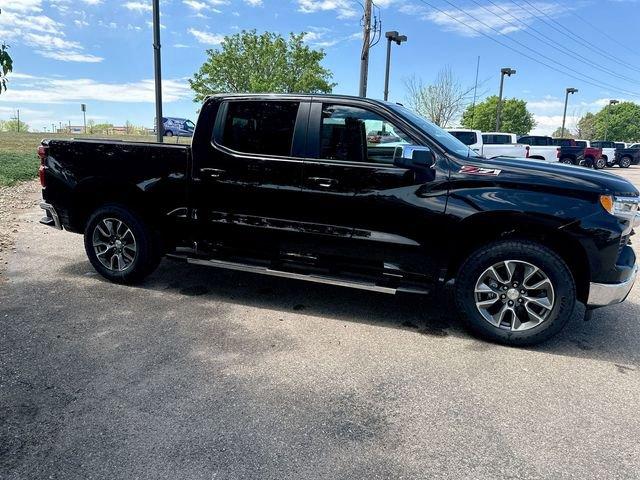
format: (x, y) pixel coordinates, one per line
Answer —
(42, 154)
(558, 152)
(528, 151)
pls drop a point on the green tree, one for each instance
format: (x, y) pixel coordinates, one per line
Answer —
(587, 127)
(515, 118)
(12, 126)
(252, 63)
(619, 122)
(558, 133)
(6, 65)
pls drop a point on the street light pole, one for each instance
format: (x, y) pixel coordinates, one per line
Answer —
(606, 129)
(566, 101)
(158, 70)
(391, 37)
(508, 72)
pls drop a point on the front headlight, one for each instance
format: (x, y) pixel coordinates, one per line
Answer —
(626, 208)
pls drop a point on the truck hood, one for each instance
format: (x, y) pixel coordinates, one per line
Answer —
(559, 175)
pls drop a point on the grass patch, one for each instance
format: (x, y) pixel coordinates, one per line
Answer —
(19, 161)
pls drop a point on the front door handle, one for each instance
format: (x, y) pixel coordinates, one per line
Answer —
(323, 182)
(212, 172)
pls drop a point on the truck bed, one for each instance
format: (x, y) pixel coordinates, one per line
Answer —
(79, 170)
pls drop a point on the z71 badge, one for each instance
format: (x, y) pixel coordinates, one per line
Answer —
(470, 170)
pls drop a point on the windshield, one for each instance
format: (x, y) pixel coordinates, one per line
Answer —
(440, 136)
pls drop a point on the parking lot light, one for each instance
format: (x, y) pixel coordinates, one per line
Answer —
(508, 72)
(566, 101)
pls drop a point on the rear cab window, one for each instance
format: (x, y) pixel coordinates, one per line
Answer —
(258, 127)
(468, 138)
(495, 139)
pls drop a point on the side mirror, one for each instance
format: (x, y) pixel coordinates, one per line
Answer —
(409, 156)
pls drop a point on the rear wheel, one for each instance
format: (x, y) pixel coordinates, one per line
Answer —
(567, 161)
(120, 246)
(600, 163)
(515, 293)
(168, 133)
(625, 162)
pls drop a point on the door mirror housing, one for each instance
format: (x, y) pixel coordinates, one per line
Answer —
(409, 156)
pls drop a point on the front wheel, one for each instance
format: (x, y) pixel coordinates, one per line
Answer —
(120, 246)
(625, 162)
(567, 161)
(600, 163)
(168, 133)
(515, 293)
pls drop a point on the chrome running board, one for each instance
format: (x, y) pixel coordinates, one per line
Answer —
(324, 279)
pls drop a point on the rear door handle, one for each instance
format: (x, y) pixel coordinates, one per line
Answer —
(323, 182)
(212, 172)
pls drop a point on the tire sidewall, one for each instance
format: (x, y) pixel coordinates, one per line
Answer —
(625, 162)
(550, 263)
(147, 254)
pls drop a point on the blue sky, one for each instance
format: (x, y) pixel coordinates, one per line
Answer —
(99, 52)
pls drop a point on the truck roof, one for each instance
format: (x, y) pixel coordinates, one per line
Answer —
(300, 96)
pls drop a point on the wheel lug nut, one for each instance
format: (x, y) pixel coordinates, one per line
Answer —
(503, 296)
(510, 303)
(523, 291)
(505, 288)
(520, 300)
(515, 284)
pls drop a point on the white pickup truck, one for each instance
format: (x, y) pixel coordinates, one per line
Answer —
(540, 147)
(491, 144)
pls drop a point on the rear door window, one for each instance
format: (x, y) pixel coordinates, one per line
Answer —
(259, 127)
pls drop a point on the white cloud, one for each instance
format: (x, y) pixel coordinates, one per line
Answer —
(194, 4)
(92, 2)
(254, 3)
(51, 90)
(22, 21)
(488, 18)
(323, 37)
(344, 8)
(139, 7)
(206, 38)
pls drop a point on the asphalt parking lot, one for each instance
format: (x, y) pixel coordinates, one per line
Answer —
(209, 374)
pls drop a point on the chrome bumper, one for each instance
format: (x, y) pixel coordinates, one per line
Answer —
(51, 219)
(603, 294)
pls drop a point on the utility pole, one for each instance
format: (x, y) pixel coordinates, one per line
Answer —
(566, 101)
(508, 72)
(158, 69)
(391, 37)
(366, 45)
(53, 128)
(18, 115)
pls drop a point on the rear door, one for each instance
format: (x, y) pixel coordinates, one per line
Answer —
(360, 206)
(247, 176)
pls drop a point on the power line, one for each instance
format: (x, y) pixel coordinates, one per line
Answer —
(573, 35)
(615, 40)
(564, 50)
(583, 78)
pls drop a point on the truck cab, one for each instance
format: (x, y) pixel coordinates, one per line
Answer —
(491, 144)
(540, 147)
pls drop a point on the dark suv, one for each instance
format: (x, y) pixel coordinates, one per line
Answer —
(296, 186)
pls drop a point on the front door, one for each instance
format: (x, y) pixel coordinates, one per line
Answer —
(374, 213)
(247, 179)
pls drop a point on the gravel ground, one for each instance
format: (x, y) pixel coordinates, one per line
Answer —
(208, 374)
(13, 201)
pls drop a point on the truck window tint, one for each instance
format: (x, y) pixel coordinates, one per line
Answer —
(493, 139)
(358, 135)
(265, 128)
(468, 138)
(581, 144)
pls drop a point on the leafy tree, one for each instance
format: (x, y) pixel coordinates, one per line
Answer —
(558, 133)
(12, 126)
(252, 63)
(619, 122)
(586, 127)
(515, 118)
(441, 102)
(6, 65)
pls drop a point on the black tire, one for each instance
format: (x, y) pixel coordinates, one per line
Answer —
(600, 164)
(625, 162)
(567, 161)
(168, 133)
(146, 244)
(555, 269)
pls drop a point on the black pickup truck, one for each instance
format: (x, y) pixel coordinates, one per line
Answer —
(289, 185)
(625, 157)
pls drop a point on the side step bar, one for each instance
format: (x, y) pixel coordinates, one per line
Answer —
(324, 279)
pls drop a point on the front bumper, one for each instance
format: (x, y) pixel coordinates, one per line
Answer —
(604, 294)
(51, 219)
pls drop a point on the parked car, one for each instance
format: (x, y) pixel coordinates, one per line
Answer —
(540, 147)
(579, 155)
(490, 144)
(286, 185)
(625, 157)
(179, 127)
(608, 150)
